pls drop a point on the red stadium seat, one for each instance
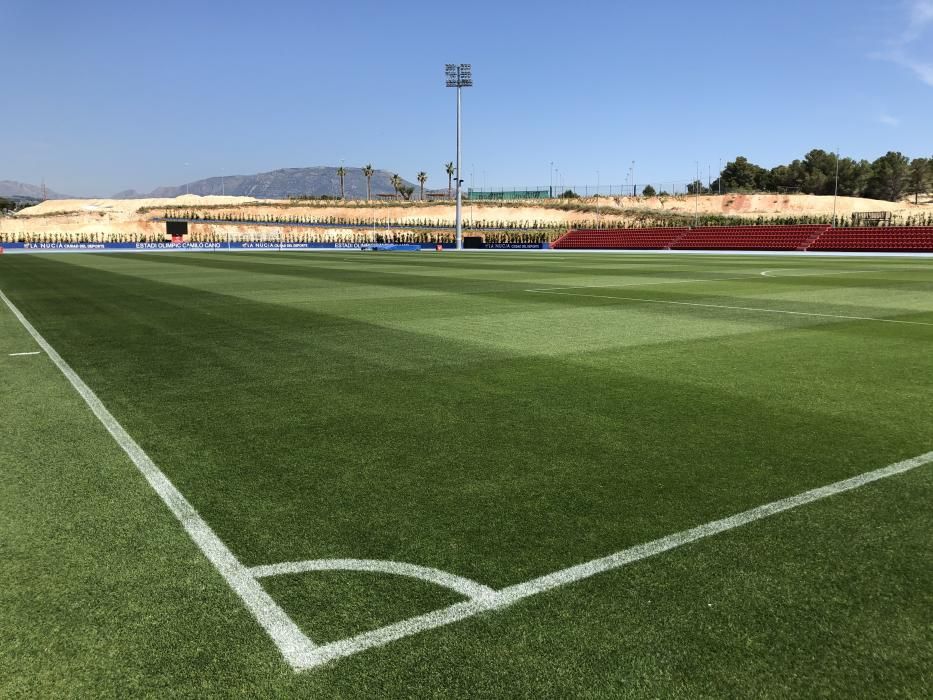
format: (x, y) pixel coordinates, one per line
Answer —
(803, 237)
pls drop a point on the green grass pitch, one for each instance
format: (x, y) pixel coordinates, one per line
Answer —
(495, 416)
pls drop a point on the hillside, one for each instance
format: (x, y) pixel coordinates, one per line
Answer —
(278, 184)
(24, 191)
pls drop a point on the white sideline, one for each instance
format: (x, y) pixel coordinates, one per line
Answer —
(290, 640)
(736, 308)
(468, 588)
(749, 276)
(813, 274)
(512, 594)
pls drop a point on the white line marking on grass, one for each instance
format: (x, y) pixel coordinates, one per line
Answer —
(21, 354)
(462, 585)
(512, 594)
(815, 274)
(736, 308)
(290, 640)
(642, 284)
(749, 276)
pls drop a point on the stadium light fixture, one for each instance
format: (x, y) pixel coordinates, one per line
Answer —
(459, 75)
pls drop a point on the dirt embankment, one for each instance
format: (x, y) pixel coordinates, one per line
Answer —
(132, 218)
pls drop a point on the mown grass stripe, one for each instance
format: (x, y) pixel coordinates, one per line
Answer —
(735, 308)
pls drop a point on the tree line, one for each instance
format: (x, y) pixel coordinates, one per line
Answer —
(402, 190)
(890, 177)
(8, 204)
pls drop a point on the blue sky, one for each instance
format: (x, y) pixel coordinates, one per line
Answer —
(114, 95)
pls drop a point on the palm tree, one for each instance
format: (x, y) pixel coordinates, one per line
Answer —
(450, 174)
(422, 178)
(341, 173)
(396, 183)
(368, 172)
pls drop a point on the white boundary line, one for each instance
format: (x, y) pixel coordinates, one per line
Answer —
(513, 594)
(736, 308)
(301, 653)
(22, 354)
(815, 274)
(758, 253)
(749, 276)
(466, 587)
(290, 640)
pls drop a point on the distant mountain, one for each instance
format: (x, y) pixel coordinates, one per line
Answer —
(22, 191)
(128, 194)
(280, 184)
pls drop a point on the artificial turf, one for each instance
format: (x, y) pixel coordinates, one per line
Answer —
(431, 409)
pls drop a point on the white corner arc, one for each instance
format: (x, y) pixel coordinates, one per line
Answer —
(466, 587)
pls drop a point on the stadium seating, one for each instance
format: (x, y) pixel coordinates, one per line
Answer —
(804, 237)
(748, 237)
(886, 239)
(626, 239)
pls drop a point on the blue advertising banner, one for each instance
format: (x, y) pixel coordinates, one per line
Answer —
(241, 245)
(543, 245)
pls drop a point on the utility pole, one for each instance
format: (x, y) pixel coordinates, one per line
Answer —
(836, 188)
(597, 201)
(472, 187)
(696, 190)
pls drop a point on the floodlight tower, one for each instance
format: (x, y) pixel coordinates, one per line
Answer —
(459, 75)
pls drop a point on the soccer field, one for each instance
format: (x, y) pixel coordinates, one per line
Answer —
(363, 474)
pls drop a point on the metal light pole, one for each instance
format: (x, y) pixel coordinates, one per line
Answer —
(459, 76)
(696, 189)
(597, 201)
(472, 187)
(836, 188)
